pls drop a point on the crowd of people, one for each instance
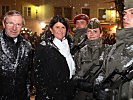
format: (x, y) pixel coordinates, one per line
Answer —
(61, 67)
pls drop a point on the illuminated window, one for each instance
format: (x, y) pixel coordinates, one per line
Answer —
(102, 14)
(27, 11)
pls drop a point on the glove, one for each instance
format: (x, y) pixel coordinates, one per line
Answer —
(99, 79)
(82, 84)
(101, 94)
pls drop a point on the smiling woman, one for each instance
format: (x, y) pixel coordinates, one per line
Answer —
(54, 63)
(59, 30)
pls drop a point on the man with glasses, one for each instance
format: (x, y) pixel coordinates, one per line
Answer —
(14, 58)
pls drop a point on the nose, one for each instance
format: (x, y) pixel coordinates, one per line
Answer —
(14, 27)
(91, 32)
(125, 17)
(78, 25)
(60, 29)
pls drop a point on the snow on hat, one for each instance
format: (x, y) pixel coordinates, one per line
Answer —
(128, 4)
(81, 16)
(94, 23)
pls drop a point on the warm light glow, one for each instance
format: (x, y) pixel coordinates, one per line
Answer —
(113, 29)
(23, 31)
(37, 7)
(43, 24)
(111, 15)
(115, 26)
(25, 28)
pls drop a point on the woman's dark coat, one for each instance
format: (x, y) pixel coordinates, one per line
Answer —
(52, 74)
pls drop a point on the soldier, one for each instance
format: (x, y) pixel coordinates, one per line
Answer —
(81, 22)
(121, 55)
(89, 58)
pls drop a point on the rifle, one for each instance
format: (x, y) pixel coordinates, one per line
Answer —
(107, 83)
(111, 85)
(79, 46)
(90, 76)
(123, 76)
(87, 82)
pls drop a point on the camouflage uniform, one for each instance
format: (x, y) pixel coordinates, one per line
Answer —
(119, 56)
(89, 56)
(79, 35)
(89, 59)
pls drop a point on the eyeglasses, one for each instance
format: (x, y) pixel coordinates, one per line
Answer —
(11, 24)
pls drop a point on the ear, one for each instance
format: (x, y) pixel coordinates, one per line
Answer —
(101, 34)
(3, 23)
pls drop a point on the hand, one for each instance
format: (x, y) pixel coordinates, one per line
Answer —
(82, 84)
(101, 94)
(99, 79)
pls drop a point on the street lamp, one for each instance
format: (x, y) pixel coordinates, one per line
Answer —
(37, 7)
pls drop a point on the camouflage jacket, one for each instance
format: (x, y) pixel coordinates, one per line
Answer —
(120, 55)
(89, 58)
(78, 36)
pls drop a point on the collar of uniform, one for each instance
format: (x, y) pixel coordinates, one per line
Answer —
(92, 43)
(80, 31)
(125, 34)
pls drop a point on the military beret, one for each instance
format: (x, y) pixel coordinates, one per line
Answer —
(81, 16)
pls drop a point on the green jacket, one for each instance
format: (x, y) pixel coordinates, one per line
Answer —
(79, 35)
(89, 57)
(118, 57)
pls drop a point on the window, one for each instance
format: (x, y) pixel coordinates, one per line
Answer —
(68, 13)
(86, 11)
(102, 14)
(27, 11)
(4, 10)
(58, 11)
(63, 11)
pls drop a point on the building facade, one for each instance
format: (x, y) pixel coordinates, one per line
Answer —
(38, 13)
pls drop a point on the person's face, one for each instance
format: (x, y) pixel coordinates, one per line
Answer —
(13, 25)
(81, 24)
(26, 36)
(59, 30)
(128, 18)
(93, 34)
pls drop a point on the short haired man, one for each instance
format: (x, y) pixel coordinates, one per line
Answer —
(80, 22)
(14, 58)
